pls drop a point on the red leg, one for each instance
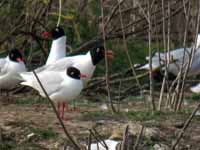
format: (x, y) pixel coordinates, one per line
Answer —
(63, 110)
(65, 105)
(58, 108)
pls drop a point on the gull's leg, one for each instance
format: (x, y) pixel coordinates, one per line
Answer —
(65, 105)
(58, 109)
(63, 110)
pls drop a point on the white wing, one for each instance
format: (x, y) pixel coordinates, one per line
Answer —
(3, 66)
(196, 88)
(50, 80)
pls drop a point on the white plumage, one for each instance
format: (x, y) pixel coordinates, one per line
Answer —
(57, 51)
(196, 88)
(176, 60)
(86, 63)
(112, 145)
(10, 67)
(58, 46)
(59, 86)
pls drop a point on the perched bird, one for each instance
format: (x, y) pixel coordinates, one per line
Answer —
(61, 87)
(111, 145)
(58, 46)
(10, 67)
(176, 60)
(86, 63)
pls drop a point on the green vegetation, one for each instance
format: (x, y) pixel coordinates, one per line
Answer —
(44, 133)
(138, 115)
(31, 101)
(193, 97)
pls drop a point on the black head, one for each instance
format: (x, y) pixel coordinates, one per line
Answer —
(57, 32)
(15, 55)
(97, 54)
(74, 73)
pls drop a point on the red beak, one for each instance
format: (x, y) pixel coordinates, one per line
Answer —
(83, 76)
(109, 54)
(46, 35)
(19, 60)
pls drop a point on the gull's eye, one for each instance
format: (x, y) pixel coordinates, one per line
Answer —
(11, 55)
(72, 73)
(57, 29)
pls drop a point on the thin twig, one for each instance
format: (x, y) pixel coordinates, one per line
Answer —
(60, 12)
(138, 138)
(187, 123)
(127, 52)
(124, 144)
(98, 138)
(150, 58)
(106, 59)
(89, 140)
(194, 49)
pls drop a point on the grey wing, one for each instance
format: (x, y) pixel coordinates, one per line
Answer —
(59, 65)
(3, 66)
(51, 81)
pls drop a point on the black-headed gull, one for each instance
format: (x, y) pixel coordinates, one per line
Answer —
(196, 88)
(58, 46)
(61, 87)
(86, 63)
(176, 60)
(9, 69)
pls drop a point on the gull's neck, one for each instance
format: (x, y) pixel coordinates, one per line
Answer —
(58, 50)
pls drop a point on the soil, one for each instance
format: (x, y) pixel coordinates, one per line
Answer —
(29, 123)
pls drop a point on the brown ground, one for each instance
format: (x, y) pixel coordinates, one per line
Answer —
(18, 121)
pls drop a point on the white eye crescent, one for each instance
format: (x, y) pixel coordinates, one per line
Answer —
(98, 50)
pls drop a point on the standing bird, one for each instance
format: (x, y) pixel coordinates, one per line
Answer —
(176, 60)
(58, 47)
(86, 63)
(10, 67)
(196, 88)
(61, 87)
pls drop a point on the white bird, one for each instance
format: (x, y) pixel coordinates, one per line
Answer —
(10, 67)
(86, 63)
(196, 88)
(111, 144)
(61, 87)
(176, 60)
(58, 46)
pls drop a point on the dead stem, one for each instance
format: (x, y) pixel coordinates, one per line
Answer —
(106, 60)
(150, 58)
(127, 52)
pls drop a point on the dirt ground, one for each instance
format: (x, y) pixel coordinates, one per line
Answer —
(29, 123)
